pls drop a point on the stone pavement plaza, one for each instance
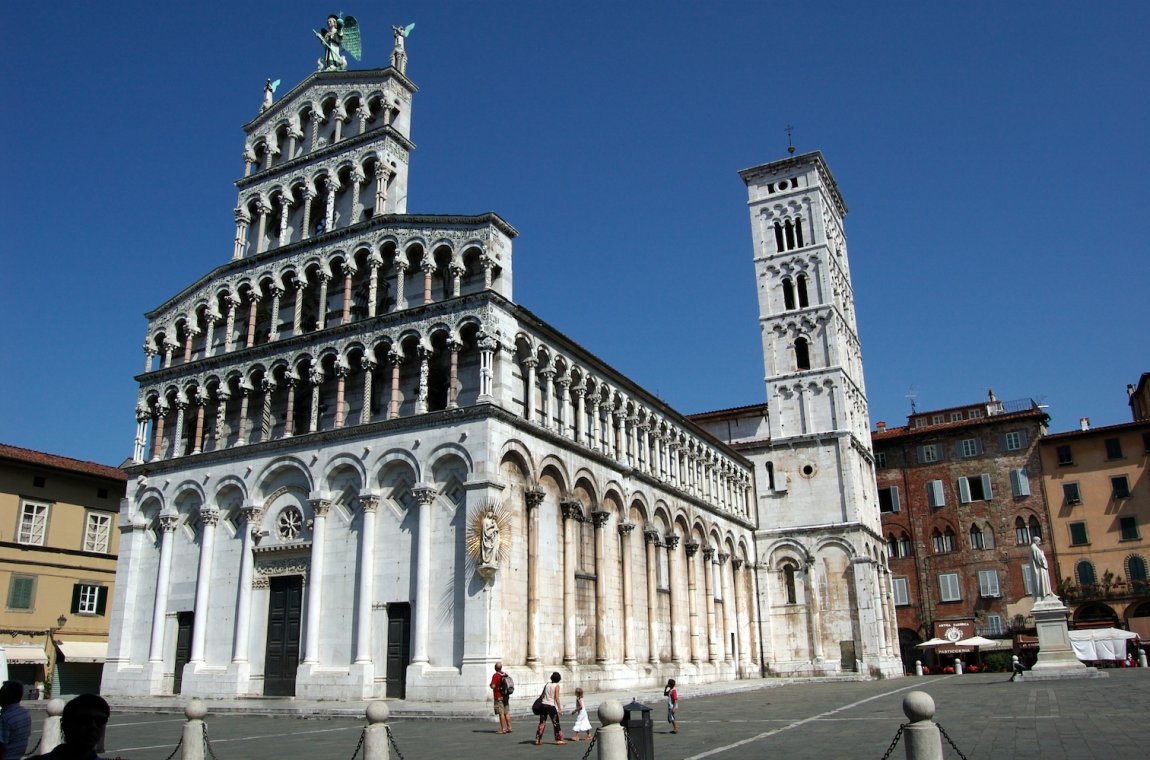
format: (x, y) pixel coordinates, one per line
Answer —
(986, 716)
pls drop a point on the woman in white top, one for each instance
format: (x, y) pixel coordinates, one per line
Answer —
(550, 708)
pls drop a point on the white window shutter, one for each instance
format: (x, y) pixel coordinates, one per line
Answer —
(963, 491)
(1028, 579)
(987, 492)
(901, 592)
(935, 493)
(895, 504)
(1019, 482)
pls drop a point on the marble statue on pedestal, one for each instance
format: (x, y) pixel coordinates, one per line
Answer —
(1038, 565)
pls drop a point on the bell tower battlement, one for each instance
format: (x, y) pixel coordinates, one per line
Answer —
(331, 153)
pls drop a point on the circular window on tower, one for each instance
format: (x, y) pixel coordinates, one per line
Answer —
(289, 524)
(783, 184)
(808, 471)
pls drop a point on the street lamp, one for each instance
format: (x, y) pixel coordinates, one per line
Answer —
(48, 679)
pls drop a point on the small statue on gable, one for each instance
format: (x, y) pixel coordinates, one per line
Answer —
(341, 32)
(399, 54)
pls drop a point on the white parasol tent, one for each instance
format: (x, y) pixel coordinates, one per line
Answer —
(935, 642)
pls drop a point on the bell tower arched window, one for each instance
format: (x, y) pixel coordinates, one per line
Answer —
(789, 582)
(802, 354)
(788, 294)
(802, 284)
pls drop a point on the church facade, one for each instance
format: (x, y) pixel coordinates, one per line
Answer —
(362, 470)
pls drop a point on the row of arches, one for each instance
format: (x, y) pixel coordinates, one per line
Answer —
(562, 395)
(330, 289)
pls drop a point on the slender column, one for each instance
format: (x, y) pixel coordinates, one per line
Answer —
(533, 498)
(608, 409)
(251, 519)
(230, 327)
(315, 377)
(321, 318)
(548, 374)
(245, 394)
(453, 379)
(625, 531)
(752, 580)
(263, 209)
(814, 616)
(320, 508)
(709, 598)
(675, 572)
(289, 423)
(267, 423)
(456, 271)
(644, 447)
(620, 433)
(277, 292)
(254, 298)
(331, 185)
(158, 434)
(149, 356)
(599, 520)
(190, 334)
(382, 175)
(140, 441)
(348, 273)
(210, 339)
(219, 439)
(487, 347)
(169, 349)
(374, 262)
(250, 161)
(208, 520)
(297, 307)
(368, 368)
(243, 219)
(691, 549)
(394, 359)
(427, 265)
(295, 134)
(580, 392)
(425, 495)
(633, 441)
(401, 267)
(728, 606)
(168, 525)
(529, 365)
(651, 537)
(198, 433)
(368, 504)
(564, 384)
(317, 117)
(572, 513)
(596, 443)
(488, 265)
(285, 205)
(305, 225)
(340, 391)
(357, 178)
(421, 393)
(178, 431)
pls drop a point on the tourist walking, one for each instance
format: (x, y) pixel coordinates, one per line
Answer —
(672, 696)
(582, 723)
(501, 687)
(15, 722)
(549, 707)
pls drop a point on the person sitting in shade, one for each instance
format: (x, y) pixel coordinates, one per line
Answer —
(82, 724)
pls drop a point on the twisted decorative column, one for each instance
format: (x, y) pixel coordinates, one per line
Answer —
(267, 388)
(321, 311)
(315, 377)
(382, 175)
(245, 394)
(357, 178)
(300, 286)
(305, 223)
(374, 262)
(230, 327)
(365, 411)
(219, 436)
(212, 320)
(424, 368)
(243, 219)
(277, 292)
(285, 205)
(178, 432)
(289, 423)
(401, 266)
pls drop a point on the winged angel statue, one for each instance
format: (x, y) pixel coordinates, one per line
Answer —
(342, 31)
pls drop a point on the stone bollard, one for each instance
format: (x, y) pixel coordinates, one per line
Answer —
(192, 744)
(375, 743)
(1142, 657)
(921, 736)
(918, 667)
(610, 737)
(50, 733)
(957, 666)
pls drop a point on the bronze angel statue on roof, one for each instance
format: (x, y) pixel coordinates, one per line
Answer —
(341, 32)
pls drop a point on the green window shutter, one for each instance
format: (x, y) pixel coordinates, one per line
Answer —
(101, 600)
(75, 598)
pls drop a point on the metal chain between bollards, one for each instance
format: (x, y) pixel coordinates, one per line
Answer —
(594, 738)
(179, 744)
(208, 743)
(358, 747)
(894, 743)
(391, 739)
(950, 741)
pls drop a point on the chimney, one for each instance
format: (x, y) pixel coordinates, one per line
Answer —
(1084, 423)
(881, 426)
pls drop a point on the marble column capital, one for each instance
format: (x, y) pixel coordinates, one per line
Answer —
(368, 502)
(534, 497)
(320, 506)
(210, 517)
(599, 519)
(691, 548)
(572, 509)
(672, 541)
(168, 523)
(651, 536)
(425, 495)
(626, 528)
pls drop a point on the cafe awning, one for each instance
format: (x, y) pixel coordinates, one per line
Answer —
(25, 654)
(83, 651)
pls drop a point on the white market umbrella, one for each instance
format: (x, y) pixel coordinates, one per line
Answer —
(935, 642)
(976, 641)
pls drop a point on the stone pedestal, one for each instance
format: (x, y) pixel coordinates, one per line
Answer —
(1056, 659)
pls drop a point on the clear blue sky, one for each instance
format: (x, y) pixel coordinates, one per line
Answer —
(993, 156)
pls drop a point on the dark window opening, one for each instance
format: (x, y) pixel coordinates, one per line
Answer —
(779, 237)
(802, 354)
(802, 283)
(1113, 448)
(789, 578)
(1065, 456)
(788, 294)
(38, 481)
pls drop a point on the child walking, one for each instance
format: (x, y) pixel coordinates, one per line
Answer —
(581, 721)
(672, 704)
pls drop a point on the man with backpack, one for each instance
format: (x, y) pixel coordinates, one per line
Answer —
(502, 687)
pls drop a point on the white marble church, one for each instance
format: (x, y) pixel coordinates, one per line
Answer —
(328, 422)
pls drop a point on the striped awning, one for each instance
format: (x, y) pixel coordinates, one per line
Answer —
(25, 654)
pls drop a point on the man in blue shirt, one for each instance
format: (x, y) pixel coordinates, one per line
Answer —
(15, 722)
